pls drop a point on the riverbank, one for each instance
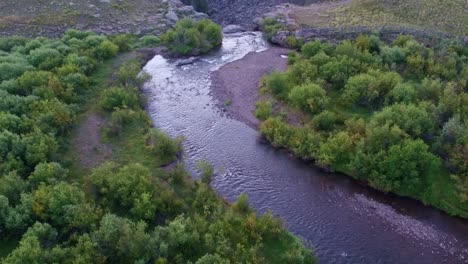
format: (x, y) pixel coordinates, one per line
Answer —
(235, 85)
(344, 221)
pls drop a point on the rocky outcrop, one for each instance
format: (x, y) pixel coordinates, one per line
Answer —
(243, 12)
(388, 34)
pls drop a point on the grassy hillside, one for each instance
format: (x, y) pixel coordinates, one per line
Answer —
(27, 17)
(449, 15)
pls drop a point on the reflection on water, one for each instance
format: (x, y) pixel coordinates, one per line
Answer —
(345, 222)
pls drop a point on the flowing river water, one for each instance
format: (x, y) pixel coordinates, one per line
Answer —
(344, 221)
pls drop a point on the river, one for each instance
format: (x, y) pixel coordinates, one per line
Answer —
(344, 221)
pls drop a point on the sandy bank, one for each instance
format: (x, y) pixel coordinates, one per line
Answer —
(238, 82)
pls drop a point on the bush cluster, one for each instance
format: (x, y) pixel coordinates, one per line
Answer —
(380, 113)
(193, 38)
(51, 212)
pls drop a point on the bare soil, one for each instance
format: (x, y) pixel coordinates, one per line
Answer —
(238, 82)
(90, 149)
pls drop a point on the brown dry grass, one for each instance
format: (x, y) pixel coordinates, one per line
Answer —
(449, 16)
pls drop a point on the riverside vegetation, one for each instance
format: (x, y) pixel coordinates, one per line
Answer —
(130, 209)
(394, 116)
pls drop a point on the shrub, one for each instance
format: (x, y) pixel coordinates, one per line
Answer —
(294, 43)
(370, 89)
(414, 120)
(392, 55)
(309, 97)
(119, 97)
(278, 83)
(264, 109)
(7, 44)
(207, 171)
(150, 41)
(303, 71)
(336, 152)
(105, 50)
(363, 42)
(191, 38)
(122, 117)
(311, 49)
(277, 132)
(325, 121)
(45, 58)
(242, 204)
(123, 41)
(129, 74)
(13, 70)
(162, 145)
(402, 93)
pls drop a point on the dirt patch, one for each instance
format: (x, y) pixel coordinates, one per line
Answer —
(235, 85)
(90, 149)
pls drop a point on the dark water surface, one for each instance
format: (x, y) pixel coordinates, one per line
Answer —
(344, 221)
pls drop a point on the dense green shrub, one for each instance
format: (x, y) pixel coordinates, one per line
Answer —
(123, 41)
(193, 38)
(311, 49)
(106, 50)
(278, 83)
(161, 144)
(119, 97)
(129, 74)
(150, 41)
(45, 58)
(264, 109)
(325, 121)
(309, 97)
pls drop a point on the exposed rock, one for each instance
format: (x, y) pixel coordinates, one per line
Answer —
(187, 61)
(172, 16)
(281, 38)
(230, 29)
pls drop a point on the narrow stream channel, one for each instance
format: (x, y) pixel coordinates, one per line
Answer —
(344, 221)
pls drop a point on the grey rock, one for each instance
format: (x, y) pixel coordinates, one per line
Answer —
(188, 61)
(230, 29)
(172, 16)
(281, 38)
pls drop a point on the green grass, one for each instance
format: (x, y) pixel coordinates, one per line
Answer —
(99, 79)
(130, 147)
(444, 194)
(447, 15)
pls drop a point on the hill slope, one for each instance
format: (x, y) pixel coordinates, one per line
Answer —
(52, 18)
(449, 16)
